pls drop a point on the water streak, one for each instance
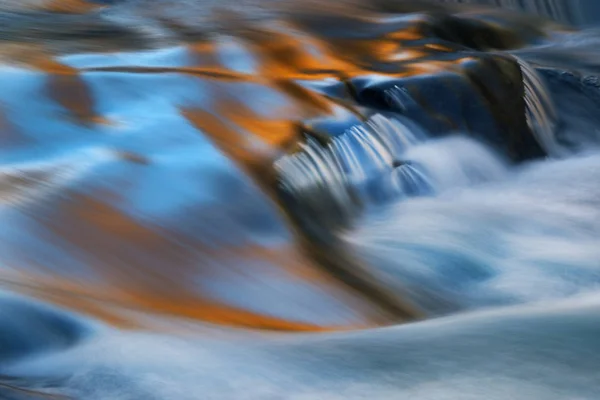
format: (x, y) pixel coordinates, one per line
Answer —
(198, 175)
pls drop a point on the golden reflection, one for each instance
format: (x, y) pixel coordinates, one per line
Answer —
(56, 6)
(141, 266)
(70, 6)
(120, 276)
(112, 305)
(65, 84)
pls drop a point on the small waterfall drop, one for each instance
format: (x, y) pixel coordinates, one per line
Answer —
(380, 161)
(540, 110)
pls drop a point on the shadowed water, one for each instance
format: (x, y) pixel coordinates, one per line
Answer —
(308, 201)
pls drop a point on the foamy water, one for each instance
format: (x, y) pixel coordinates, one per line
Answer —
(412, 187)
(531, 236)
(542, 352)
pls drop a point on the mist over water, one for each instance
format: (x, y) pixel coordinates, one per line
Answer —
(299, 200)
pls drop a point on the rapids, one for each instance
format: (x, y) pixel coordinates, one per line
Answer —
(300, 200)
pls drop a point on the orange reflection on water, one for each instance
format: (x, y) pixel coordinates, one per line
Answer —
(253, 105)
(70, 6)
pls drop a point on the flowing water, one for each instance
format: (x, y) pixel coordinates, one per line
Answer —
(300, 200)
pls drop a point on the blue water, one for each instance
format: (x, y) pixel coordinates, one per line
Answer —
(117, 239)
(534, 352)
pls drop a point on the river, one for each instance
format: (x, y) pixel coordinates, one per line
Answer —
(299, 200)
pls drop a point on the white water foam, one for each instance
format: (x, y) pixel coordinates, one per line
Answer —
(380, 161)
(521, 353)
(530, 237)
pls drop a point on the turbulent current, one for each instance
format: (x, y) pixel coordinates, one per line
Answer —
(299, 200)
